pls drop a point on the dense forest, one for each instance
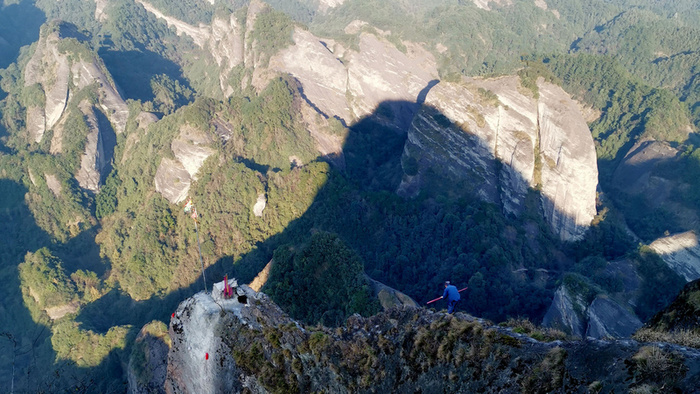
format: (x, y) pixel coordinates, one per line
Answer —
(82, 272)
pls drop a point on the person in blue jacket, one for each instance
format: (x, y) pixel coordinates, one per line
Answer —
(452, 295)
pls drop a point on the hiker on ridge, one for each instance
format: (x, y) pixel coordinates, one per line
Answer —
(452, 295)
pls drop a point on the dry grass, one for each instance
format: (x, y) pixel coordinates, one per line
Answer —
(526, 327)
(689, 338)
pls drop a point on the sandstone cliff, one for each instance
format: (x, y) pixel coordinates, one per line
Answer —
(93, 161)
(174, 176)
(62, 66)
(681, 252)
(61, 72)
(584, 310)
(542, 142)
(247, 344)
(503, 141)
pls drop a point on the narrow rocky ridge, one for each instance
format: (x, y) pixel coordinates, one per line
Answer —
(247, 344)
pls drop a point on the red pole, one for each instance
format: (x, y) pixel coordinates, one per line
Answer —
(439, 298)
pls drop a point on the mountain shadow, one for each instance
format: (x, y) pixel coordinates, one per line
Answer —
(512, 264)
(24, 349)
(446, 232)
(133, 70)
(19, 26)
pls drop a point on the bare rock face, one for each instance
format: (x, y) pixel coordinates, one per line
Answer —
(605, 316)
(173, 177)
(54, 184)
(145, 119)
(380, 72)
(348, 84)
(607, 319)
(100, 14)
(565, 313)
(634, 174)
(148, 362)
(569, 163)
(199, 34)
(259, 206)
(637, 175)
(92, 71)
(503, 141)
(198, 362)
(322, 75)
(325, 5)
(53, 71)
(681, 252)
(36, 123)
(172, 180)
(390, 297)
(93, 160)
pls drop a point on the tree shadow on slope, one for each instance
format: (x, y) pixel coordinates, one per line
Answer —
(446, 232)
(19, 26)
(133, 71)
(24, 349)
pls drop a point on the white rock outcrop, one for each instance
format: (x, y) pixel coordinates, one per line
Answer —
(174, 177)
(681, 252)
(172, 180)
(569, 163)
(380, 72)
(259, 206)
(323, 77)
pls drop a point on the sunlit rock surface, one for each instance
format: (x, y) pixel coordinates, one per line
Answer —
(174, 177)
(681, 252)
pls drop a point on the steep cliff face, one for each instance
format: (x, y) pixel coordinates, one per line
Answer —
(495, 134)
(246, 344)
(61, 72)
(639, 176)
(60, 67)
(566, 313)
(607, 319)
(93, 161)
(681, 252)
(584, 310)
(503, 141)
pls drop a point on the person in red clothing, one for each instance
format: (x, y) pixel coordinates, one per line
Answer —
(452, 295)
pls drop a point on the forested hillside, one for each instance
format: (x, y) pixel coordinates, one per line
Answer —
(113, 113)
